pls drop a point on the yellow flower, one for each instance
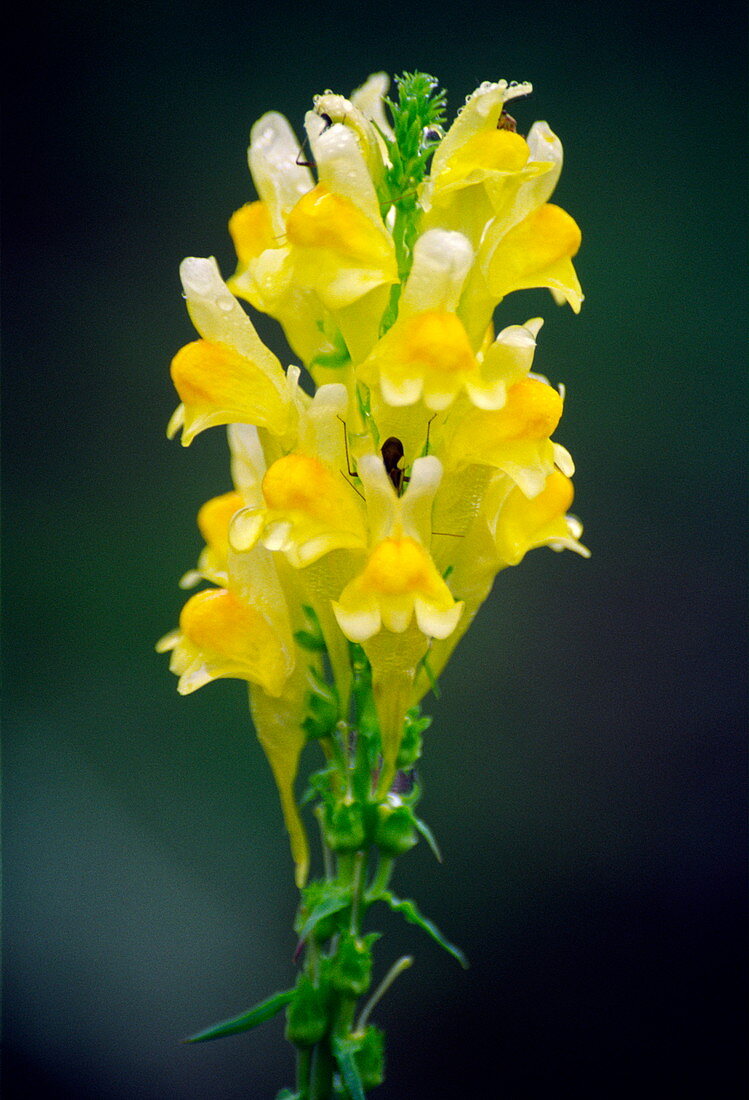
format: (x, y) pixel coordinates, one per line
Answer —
(221, 636)
(426, 355)
(308, 507)
(310, 510)
(214, 518)
(382, 507)
(524, 523)
(492, 185)
(230, 376)
(399, 601)
(317, 256)
(398, 581)
(514, 439)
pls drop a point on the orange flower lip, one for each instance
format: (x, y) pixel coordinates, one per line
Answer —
(399, 566)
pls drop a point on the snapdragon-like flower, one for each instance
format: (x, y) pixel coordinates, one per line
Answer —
(380, 483)
(384, 505)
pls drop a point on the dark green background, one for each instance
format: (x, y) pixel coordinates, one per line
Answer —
(585, 773)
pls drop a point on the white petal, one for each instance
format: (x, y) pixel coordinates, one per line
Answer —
(380, 495)
(545, 147)
(416, 502)
(273, 154)
(341, 166)
(487, 396)
(218, 316)
(442, 260)
(369, 99)
(196, 676)
(397, 619)
(247, 462)
(402, 393)
(563, 459)
(245, 528)
(434, 623)
(358, 626)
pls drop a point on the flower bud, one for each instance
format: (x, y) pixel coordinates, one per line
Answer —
(351, 971)
(344, 826)
(411, 745)
(395, 831)
(370, 1058)
(307, 1015)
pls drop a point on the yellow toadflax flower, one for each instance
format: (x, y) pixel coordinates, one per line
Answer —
(380, 483)
(381, 508)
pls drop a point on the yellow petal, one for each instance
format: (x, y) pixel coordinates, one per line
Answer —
(277, 724)
(531, 412)
(523, 523)
(217, 385)
(536, 252)
(427, 353)
(213, 521)
(252, 232)
(315, 509)
(233, 640)
(214, 518)
(480, 113)
(484, 152)
(338, 250)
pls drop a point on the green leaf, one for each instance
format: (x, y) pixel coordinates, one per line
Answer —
(312, 638)
(334, 902)
(433, 681)
(413, 916)
(344, 1050)
(307, 640)
(266, 1010)
(428, 835)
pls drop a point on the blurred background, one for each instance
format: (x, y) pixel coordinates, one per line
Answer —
(586, 769)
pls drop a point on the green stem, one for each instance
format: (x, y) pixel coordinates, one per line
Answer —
(327, 855)
(303, 1067)
(357, 882)
(345, 869)
(382, 877)
(396, 969)
(312, 960)
(322, 1072)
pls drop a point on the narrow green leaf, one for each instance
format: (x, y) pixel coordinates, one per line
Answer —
(428, 835)
(433, 681)
(413, 916)
(344, 1050)
(307, 640)
(326, 908)
(266, 1010)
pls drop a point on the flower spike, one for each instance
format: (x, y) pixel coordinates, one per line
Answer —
(381, 482)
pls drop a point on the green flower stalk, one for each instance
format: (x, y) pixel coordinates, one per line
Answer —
(368, 519)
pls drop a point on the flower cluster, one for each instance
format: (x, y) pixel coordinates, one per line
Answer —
(368, 521)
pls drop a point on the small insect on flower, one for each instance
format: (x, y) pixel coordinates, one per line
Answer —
(507, 122)
(392, 457)
(301, 160)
